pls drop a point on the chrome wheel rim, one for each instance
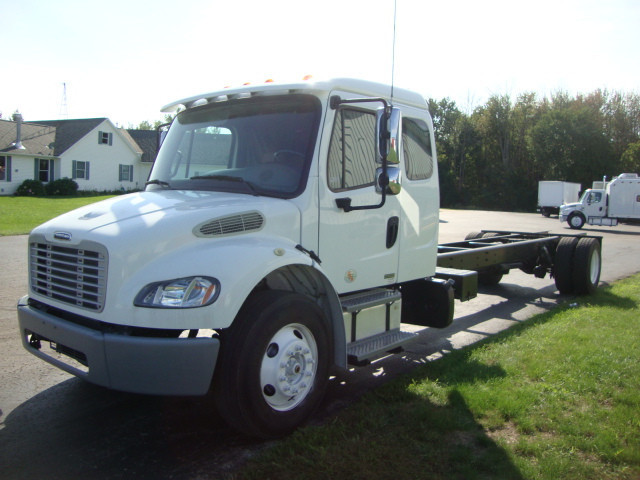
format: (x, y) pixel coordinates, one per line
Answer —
(288, 368)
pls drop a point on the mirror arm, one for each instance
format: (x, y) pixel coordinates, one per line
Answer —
(345, 202)
(335, 101)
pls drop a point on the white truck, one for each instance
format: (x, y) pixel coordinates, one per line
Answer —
(552, 194)
(618, 200)
(285, 232)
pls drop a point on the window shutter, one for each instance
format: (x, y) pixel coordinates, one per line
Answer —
(51, 179)
(99, 137)
(131, 173)
(111, 139)
(86, 170)
(7, 169)
(74, 171)
(36, 169)
(120, 173)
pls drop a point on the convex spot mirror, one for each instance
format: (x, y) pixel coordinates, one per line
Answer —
(388, 134)
(392, 182)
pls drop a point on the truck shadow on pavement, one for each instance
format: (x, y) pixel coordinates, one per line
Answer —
(78, 430)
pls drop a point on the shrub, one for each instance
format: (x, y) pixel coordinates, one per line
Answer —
(30, 188)
(62, 186)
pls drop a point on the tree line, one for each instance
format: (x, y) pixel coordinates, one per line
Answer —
(494, 157)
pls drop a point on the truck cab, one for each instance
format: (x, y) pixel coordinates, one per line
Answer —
(592, 204)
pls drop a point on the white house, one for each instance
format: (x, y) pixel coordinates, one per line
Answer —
(93, 152)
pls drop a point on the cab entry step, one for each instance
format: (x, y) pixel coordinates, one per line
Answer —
(363, 351)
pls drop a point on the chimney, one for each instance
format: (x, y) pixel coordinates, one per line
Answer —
(17, 117)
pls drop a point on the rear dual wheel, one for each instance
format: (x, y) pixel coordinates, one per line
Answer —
(577, 265)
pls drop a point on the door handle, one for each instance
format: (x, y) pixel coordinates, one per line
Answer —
(393, 225)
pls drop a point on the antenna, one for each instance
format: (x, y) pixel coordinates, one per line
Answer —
(63, 104)
(393, 47)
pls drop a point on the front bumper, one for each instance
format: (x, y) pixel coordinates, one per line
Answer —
(148, 365)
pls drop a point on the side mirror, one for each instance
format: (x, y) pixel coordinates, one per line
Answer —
(388, 135)
(161, 132)
(392, 182)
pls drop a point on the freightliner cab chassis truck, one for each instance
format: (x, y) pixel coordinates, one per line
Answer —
(286, 232)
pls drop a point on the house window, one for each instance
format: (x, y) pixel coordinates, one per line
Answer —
(5, 168)
(105, 138)
(43, 170)
(125, 173)
(80, 170)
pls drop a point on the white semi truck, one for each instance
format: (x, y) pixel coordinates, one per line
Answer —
(285, 232)
(552, 194)
(616, 200)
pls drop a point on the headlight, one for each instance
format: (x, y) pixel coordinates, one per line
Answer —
(187, 292)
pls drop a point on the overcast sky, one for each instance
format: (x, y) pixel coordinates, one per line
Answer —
(126, 59)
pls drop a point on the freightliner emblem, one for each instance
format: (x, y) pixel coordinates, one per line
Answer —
(62, 236)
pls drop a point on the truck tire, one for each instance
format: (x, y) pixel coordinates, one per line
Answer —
(586, 266)
(576, 220)
(563, 264)
(273, 365)
(473, 235)
(493, 275)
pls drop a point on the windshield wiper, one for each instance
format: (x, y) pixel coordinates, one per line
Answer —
(162, 183)
(229, 178)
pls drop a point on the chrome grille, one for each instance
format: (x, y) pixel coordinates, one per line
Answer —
(233, 224)
(76, 276)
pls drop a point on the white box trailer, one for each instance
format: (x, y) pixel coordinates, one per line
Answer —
(552, 194)
(619, 200)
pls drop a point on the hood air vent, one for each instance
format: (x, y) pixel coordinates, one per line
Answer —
(231, 225)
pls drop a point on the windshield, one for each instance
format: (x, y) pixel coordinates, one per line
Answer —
(259, 146)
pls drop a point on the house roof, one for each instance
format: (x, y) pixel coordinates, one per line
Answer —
(69, 132)
(147, 140)
(37, 139)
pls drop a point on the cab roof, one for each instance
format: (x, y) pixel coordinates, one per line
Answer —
(319, 88)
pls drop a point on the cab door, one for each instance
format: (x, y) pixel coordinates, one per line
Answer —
(360, 248)
(595, 204)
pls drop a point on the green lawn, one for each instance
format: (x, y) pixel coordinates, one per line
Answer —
(19, 215)
(556, 397)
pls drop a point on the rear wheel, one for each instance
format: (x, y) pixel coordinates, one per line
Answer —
(473, 235)
(563, 264)
(587, 264)
(492, 275)
(274, 364)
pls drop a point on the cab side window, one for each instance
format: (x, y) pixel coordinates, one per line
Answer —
(351, 162)
(417, 149)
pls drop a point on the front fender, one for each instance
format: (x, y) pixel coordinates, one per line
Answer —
(238, 263)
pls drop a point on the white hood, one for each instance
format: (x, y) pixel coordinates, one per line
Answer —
(139, 216)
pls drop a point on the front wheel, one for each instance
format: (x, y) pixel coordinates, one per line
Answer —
(274, 364)
(576, 221)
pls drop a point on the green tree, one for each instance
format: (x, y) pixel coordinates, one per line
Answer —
(570, 143)
(630, 160)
